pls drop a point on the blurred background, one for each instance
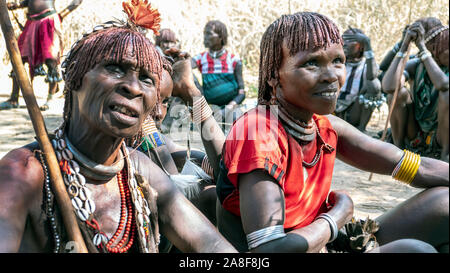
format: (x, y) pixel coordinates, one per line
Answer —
(246, 20)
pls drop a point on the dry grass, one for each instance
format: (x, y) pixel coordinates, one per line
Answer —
(381, 20)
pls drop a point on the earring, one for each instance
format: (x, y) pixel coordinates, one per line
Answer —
(273, 100)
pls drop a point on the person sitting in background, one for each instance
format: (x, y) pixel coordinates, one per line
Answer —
(361, 93)
(40, 43)
(420, 119)
(189, 169)
(165, 40)
(222, 80)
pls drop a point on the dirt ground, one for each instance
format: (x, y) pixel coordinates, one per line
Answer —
(371, 198)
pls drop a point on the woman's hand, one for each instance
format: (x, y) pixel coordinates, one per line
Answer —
(418, 31)
(183, 79)
(341, 207)
(372, 89)
(359, 38)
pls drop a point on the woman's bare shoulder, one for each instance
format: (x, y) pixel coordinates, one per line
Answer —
(21, 171)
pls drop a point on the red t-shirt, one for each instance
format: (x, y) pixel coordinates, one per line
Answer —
(258, 141)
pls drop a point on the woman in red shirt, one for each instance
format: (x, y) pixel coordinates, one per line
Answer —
(278, 158)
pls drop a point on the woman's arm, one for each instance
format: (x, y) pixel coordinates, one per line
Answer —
(212, 135)
(384, 65)
(21, 179)
(262, 205)
(71, 7)
(389, 82)
(180, 221)
(437, 76)
(372, 155)
(13, 5)
(240, 80)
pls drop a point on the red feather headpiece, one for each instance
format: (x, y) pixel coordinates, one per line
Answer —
(141, 14)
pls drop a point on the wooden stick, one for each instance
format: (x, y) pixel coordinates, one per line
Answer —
(37, 120)
(394, 98)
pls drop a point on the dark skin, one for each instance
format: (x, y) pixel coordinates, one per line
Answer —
(403, 122)
(354, 44)
(182, 85)
(261, 198)
(36, 7)
(98, 131)
(214, 42)
(184, 88)
(302, 80)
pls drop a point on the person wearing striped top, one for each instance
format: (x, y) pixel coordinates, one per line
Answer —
(223, 84)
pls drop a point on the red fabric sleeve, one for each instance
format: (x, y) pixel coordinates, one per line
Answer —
(256, 142)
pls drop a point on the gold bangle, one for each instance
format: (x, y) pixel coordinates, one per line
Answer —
(404, 168)
(408, 167)
(413, 161)
(414, 170)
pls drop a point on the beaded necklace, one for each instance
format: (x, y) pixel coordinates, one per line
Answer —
(135, 211)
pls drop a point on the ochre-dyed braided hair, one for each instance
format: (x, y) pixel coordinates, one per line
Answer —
(299, 31)
(438, 43)
(165, 35)
(109, 42)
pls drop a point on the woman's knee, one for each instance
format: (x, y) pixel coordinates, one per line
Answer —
(402, 99)
(406, 246)
(436, 201)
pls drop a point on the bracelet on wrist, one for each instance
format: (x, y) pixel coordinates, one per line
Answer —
(265, 235)
(424, 55)
(200, 110)
(333, 226)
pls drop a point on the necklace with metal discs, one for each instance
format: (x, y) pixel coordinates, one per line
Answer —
(135, 211)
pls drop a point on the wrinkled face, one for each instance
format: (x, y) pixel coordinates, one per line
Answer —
(309, 81)
(115, 98)
(211, 39)
(166, 93)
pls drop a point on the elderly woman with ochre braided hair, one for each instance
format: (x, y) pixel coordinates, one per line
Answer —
(277, 162)
(420, 119)
(122, 200)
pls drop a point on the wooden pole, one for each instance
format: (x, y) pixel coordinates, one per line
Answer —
(37, 120)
